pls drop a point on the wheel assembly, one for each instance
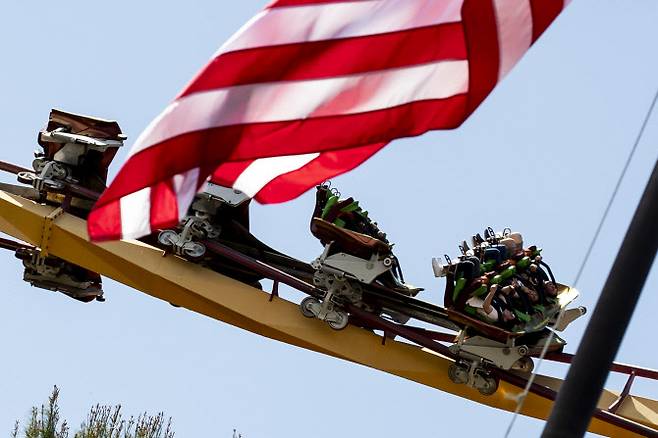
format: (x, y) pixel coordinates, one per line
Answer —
(26, 177)
(307, 305)
(168, 237)
(339, 320)
(458, 373)
(486, 384)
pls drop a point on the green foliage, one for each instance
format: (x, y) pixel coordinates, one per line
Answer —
(44, 422)
(108, 422)
(102, 422)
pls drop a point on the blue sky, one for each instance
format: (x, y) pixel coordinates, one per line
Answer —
(541, 155)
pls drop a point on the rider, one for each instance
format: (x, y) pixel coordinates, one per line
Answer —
(499, 281)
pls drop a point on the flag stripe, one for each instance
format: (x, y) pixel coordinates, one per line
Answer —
(104, 222)
(543, 14)
(185, 186)
(323, 59)
(164, 205)
(274, 102)
(480, 30)
(514, 20)
(226, 173)
(319, 22)
(326, 165)
(183, 152)
(309, 89)
(135, 213)
(260, 172)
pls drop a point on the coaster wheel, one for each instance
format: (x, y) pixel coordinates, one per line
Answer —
(26, 177)
(307, 305)
(457, 374)
(487, 385)
(341, 321)
(194, 250)
(168, 237)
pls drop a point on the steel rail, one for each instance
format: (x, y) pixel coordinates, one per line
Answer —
(255, 264)
(418, 309)
(617, 367)
(13, 168)
(201, 290)
(413, 335)
(71, 188)
(431, 334)
(12, 245)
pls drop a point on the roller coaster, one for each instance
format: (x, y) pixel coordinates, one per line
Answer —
(211, 264)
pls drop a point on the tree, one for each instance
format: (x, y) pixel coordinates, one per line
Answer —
(103, 421)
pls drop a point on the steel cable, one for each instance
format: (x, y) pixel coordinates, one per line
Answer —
(520, 399)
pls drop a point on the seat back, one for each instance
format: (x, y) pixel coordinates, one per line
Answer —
(93, 172)
(350, 242)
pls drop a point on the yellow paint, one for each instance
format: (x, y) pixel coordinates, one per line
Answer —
(185, 284)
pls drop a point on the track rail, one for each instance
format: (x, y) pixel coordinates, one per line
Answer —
(422, 339)
(417, 309)
(70, 188)
(300, 276)
(203, 291)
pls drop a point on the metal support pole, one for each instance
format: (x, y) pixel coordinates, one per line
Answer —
(582, 388)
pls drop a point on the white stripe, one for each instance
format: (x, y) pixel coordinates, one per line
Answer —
(514, 22)
(319, 22)
(136, 214)
(259, 173)
(295, 100)
(185, 186)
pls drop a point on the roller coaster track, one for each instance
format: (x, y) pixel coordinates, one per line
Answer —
(425, 360)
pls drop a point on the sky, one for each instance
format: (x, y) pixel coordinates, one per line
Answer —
(541, 155)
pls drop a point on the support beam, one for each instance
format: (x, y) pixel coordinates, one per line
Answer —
(198, 289)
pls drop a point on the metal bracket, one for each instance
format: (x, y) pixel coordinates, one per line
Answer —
(47, 230)
(478, 348)
(624, 393)
(363, 270)
(275, 290)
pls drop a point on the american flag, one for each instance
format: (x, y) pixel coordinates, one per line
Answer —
(309, 89)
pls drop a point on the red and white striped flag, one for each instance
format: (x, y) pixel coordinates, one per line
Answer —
(309, 89)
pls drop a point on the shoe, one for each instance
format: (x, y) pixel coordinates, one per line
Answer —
(392, 282)
(477, 240)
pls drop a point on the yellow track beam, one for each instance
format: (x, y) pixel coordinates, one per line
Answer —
(203, 291)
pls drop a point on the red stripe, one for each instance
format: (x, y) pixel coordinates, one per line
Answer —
(328, 165)
(211, 147)
(479, 21)
(227, 173)
(164, 206)
(323, 59)
(283, 3)
(543, 14)
(104, 223)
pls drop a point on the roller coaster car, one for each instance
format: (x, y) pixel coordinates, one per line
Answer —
(509, 338)
(351, 259)
(52, 273)
(76, 150)
(218, 214)
(480, 345)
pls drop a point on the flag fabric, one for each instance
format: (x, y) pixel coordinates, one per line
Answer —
(309, 89)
